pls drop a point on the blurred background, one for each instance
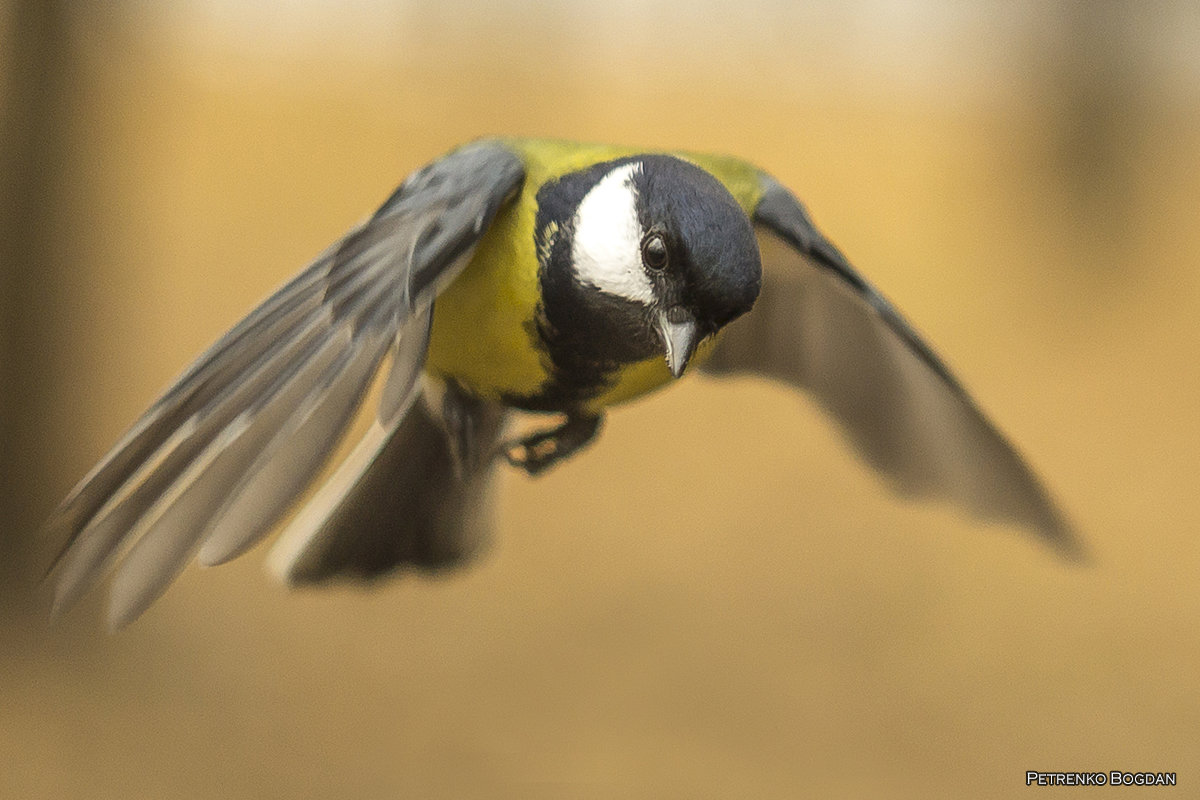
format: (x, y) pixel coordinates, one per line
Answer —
(717, 600)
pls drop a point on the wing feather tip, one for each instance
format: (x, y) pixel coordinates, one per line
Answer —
(71, 582)
(284, 567)
(64, 598)
(1051, 527)
(131, 594)
(57, 527)
(119, 617)
(214, 554)
(285, 557)
(122, 610)
(1064, 539)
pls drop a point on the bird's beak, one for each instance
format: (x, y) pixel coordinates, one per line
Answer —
(679, 334)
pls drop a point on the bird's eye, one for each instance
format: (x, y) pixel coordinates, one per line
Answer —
(654, 252)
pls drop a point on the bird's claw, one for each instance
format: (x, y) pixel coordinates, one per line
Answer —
(539, 451)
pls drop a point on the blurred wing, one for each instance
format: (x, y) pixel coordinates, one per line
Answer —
(819, 326)
(218, 459)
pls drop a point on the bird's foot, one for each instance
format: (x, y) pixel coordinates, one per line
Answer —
(538, 451)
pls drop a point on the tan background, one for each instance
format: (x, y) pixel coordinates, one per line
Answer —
(717, 600)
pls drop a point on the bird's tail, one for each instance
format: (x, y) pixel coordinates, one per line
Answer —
(400, 499)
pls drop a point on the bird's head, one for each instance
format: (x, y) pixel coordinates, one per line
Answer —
(651, 254)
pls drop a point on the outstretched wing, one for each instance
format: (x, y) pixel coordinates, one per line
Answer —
(821, 327)
(217, 460)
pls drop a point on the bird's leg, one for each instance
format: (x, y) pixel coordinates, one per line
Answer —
(538, 451)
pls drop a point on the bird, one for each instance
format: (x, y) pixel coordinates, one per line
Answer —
(514, 278)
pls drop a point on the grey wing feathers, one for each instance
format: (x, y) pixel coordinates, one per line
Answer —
(218, 458)
(822, 327)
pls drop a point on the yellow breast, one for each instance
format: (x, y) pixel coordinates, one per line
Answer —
(482, 335)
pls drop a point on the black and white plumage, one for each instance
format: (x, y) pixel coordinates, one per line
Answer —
(513, 274)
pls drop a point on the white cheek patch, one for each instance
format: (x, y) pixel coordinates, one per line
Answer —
(607, 248)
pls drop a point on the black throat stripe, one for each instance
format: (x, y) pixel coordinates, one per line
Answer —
(585, 334)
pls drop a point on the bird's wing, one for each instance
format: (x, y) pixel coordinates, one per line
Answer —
(217, 460)
(820, 326)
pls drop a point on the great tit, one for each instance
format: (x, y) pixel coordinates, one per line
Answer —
(514, 275)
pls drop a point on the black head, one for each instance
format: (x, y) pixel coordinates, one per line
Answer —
(642, 256)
